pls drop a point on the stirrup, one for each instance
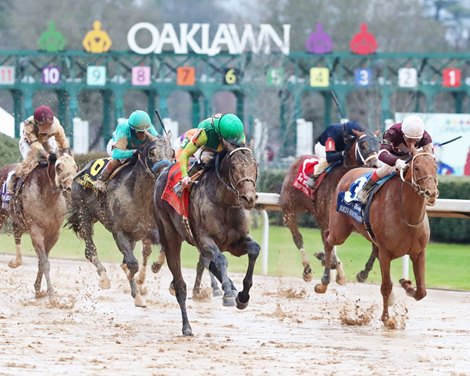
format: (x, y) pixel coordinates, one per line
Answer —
(6, 200)
(311, 182)
(362, 196)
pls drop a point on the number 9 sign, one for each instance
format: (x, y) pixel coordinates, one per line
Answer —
(96, 76)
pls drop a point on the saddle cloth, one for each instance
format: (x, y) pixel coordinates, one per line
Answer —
(303, 174)
(89, 175)
(180, 204)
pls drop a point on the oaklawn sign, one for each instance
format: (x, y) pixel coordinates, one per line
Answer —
(197, 38)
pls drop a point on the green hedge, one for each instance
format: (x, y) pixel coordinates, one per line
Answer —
(9, 150)
(446, 230)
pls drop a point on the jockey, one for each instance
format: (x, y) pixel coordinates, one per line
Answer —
(331, 145)
(126, 138)
(42, 134)
(208, 139)
(396, 148)
(183, 140)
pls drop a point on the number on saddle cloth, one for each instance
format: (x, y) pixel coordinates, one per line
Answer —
(87, 176)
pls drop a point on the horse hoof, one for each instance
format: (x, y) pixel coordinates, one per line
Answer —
(361, 276)
(139, 301)
(13, 264)
(228, 301)
(307, 274)
(156, 267)
(104, 282)
(142, 289)
(216, 293)
(241, 305)
(340, 279)
(187, 332)
(320, 288)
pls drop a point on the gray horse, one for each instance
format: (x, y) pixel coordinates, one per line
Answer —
(125, 209)
(217, 220)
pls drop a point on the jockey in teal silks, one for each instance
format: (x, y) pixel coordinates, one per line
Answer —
(127, 137)
(209, 137)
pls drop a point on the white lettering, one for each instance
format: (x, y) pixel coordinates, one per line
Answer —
(226, 38)
(133, 32)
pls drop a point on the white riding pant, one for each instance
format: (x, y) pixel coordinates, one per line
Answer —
(50, 146)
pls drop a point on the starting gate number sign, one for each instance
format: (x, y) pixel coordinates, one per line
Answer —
(141, 76)
(363, 76)
(319, 77)
(230, 76)
(51, 75)
(96, 76)
(185, 76)
(451, 77)
(407, 77)
(7, 75)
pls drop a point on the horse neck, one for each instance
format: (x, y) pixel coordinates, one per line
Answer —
(412, 204)
(350, 161)
(143, 182)
(217, 192)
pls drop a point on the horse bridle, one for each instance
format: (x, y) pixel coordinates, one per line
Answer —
(357, 151)
(414, 184)
(231, 186)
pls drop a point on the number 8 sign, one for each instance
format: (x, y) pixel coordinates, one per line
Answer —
(140, 76)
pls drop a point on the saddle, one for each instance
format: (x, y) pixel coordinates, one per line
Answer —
(88, 175)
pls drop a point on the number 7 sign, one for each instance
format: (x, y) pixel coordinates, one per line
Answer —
(185, 76)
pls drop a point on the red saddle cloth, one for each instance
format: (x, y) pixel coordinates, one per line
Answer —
(180, 204)
(305, 170)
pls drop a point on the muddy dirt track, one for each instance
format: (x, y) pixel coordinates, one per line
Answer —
(286, 330)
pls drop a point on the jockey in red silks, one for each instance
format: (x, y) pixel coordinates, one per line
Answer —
(397, 145)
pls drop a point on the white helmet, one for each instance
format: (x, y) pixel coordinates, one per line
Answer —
(413, 127)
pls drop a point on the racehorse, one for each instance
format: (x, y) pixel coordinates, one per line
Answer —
(360, 151)
(217, 221)
(39, 209)
(398, 223)
(125, 209)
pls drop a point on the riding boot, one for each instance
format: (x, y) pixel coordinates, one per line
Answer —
(10, 188)
(311, 181)
(364, 192)
(100, 183)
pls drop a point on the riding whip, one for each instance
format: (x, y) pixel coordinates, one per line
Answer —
(161, 121)
(449, 141)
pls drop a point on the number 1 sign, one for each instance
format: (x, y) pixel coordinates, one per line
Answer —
(451, 77)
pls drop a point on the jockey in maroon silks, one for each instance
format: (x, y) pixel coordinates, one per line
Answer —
(396, 149)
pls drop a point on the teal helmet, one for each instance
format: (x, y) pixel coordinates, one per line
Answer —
(140, 121)
(230, 128)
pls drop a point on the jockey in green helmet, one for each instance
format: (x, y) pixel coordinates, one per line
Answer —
(126, 138)
(209, 137)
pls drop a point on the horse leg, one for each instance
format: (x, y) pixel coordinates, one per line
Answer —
(386, 286)
(216, 291)
(38, 241)
(290, 220)
(252, 248)
(18, 260)
(202, 264)
(218, 267)
(335, 261)
(363, 274)
(173, 256)
(321, 288)
(130, 265)
(146, 252)
(418, 269)
(86, 233)
(157, 265)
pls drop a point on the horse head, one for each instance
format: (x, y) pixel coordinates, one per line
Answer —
(156, 154)
(362, 149)
(422, 176)
(240, 172)
(65, 170)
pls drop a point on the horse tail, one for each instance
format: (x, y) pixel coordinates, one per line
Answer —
(75, 222)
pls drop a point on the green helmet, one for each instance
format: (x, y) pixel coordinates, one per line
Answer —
(139, 121)
(230, 127)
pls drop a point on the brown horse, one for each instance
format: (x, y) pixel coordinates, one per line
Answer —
(217, 220)
(39, 209)
(398, 223)
(360, 151)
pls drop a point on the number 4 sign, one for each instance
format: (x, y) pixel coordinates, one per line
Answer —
(451, 77)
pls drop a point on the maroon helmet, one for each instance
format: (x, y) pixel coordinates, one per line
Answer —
(43, 115)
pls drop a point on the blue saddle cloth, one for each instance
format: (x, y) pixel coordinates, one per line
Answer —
(348, 203)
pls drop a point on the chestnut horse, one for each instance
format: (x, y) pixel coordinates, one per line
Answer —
(362, 150)
(39, 209)
(125, 209)
(217, 220)
(398, 223)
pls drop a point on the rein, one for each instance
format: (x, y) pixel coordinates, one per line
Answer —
(416, 187)
(357, 152)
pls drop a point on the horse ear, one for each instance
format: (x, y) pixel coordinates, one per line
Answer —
(227, 145)
(59, 167)
(357, 133)
(251, 145)
(377, 132)
(168, 136)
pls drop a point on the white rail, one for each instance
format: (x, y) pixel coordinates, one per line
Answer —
(447, 208)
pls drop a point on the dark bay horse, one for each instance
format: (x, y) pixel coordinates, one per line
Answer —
(362, 150)
(125, 210)
(39, 209)
(217, 220)
(398, 223)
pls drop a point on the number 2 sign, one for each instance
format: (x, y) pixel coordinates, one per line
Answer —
(451, 77)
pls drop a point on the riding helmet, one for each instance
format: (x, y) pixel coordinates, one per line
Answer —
(139, 121)
(413, 127)
(43, 115)
(230, 127)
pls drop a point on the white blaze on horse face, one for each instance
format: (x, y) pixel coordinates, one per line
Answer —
(66, 168)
